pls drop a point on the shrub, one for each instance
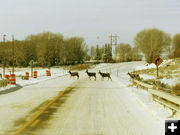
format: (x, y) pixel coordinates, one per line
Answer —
(176, 89)
(79, 67)
(4, 82)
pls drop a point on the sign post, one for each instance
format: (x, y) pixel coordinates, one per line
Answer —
(157, 61)
(31, 63)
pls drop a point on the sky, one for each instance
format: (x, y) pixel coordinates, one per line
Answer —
(94, 20)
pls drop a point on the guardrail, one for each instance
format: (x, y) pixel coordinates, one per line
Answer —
(142, 84)
(166, 99)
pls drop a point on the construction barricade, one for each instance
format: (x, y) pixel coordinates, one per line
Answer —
(27, 75)
(12, 80)
(35, 74)
(48, 73)
(6, 77)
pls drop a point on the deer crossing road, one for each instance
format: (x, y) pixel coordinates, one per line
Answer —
(88, 108)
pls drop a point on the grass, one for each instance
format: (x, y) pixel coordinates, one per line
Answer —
(4, 82)
(79, 67)
(170, 71)
(176, 89)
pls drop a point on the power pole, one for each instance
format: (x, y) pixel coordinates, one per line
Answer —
(111, 38)
(115, 39)
(4, 59)
(13, 54)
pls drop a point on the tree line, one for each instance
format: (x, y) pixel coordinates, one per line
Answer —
(46, 49)
(122, 52)
(155, 42)
(148, 42)
(52, 49)
(101, 53)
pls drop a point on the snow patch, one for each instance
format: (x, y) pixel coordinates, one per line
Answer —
(146, 77)
(171, 82)
(152, 65)
(55, 72)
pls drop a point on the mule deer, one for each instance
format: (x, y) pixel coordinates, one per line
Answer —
(91, 75)
(134, 76)
(105, 75)
(74, 74)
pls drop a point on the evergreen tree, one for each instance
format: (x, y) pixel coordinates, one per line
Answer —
(98, 55)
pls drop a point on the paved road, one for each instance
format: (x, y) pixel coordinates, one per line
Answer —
(96, 108)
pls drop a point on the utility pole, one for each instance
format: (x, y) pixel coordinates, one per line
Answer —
(115, 39)
(111, 38)
(4, 59)
(13, 54)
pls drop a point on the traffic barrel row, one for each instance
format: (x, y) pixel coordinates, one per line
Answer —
(11, 78)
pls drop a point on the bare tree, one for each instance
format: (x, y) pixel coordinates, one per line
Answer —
(176, 45)
(152, 42)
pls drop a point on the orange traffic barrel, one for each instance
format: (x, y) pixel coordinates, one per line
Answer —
(48, 73)
(12, 80)
(35, 74)
(6, 76)
(27, 75)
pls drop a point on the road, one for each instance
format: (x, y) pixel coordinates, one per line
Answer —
(89, 108)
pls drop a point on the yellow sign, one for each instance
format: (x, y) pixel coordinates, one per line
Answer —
(157, 60)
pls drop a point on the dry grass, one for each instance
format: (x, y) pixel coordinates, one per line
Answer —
(79, 67)
(157, 83)
(176, 89)
(4, 82)
(170, 70)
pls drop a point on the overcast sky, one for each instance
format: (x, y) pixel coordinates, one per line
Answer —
(94, 20)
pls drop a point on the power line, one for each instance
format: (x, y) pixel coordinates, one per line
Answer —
(114, 39)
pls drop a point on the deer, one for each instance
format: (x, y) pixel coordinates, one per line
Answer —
(74, 74)
(105, 75)
(91, 75)
(134, 76)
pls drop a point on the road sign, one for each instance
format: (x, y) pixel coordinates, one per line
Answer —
(157, 60)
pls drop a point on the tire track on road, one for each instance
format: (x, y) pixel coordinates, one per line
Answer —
(38, 117)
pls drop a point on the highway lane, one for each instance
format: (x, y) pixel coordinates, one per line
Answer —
(96, 108)
(17, 107)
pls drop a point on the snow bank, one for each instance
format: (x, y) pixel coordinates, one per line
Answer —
(171, 82)
(152, 65)
(55, 72)
(146, 77)
(145, 100)
(142, 97)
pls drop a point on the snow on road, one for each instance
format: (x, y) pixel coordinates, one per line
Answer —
(18, 104)
(94, 107)
(103, 108)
